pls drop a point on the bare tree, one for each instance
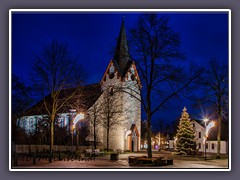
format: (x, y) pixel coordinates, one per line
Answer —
(110, 111)
(60, 134)
(21, 100)
(53, 72)
(94, 114)
(155, 46)
(144, 129)
(21, 96)
(216, 83)
(83, 131)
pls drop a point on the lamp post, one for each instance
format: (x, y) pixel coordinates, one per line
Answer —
(205, 138)
(207, 129)
(73, 128)
(78, 117)
(72, 124)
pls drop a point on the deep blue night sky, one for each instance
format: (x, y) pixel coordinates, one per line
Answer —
(91, 37)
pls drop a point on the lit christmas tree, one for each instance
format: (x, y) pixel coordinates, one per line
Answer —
(185, 135)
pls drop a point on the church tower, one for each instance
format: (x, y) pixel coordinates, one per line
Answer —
(122, 80)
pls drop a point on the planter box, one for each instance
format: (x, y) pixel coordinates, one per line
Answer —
(114, 157)
(154, 161)
(131, 159)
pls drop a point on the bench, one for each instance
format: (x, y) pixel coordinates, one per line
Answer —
(154, 161)
(97, 152)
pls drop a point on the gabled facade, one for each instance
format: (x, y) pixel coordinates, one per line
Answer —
(199, 134)
(211, 146)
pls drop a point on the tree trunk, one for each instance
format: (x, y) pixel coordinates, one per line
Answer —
(94, 134)
(219, 136)
(51, 139)
(107, 139)
(149, 134)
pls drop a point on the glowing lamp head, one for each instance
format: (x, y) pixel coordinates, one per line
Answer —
(78, 117)
(205, 120)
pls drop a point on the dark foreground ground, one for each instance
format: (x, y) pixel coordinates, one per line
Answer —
(104, 163)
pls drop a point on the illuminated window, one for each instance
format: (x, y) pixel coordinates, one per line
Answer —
(132, 70)
(111, 70)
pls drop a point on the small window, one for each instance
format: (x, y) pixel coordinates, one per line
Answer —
(111, 76)
(193, 124)
(111, 91)
(212, 145)
(207, 146)
(132, 77)
(132, 70)
(111, 70)
(199, 135)
(199, 146)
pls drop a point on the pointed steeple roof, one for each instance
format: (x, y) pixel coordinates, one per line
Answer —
(121, 56)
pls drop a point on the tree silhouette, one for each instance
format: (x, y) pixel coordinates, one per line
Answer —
(110, 111)
(21, 100)
(53, 72)
(215, 81)
(155, 46)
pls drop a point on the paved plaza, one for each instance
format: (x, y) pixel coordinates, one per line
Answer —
(104, 162)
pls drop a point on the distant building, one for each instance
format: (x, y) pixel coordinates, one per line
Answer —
(159, 142)
(121, 72)
(211, 145)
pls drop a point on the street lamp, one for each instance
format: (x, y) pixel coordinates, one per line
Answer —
(207, 129)
(72, 124)
(77, 118)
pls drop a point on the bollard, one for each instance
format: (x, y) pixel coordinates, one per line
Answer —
(59, 156)
(50, 156)
(114, 156)
(34, 158)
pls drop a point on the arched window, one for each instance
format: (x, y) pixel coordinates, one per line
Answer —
(111, 69)
(132, 70)
(111, 72)
(111, 91)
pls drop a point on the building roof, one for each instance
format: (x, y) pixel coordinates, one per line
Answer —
(199, 122)
(84, 97)
(213, 133)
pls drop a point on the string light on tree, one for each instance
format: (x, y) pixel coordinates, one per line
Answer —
(185, 143)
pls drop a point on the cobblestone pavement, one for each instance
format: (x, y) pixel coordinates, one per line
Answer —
(104, 162)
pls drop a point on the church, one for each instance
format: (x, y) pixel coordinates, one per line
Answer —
(112, 106)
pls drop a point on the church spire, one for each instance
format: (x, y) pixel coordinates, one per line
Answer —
(121, 55)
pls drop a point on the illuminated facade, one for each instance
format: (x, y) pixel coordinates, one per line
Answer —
(121, 77)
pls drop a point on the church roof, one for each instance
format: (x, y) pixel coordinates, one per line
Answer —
(121, 58)
(83, 99)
